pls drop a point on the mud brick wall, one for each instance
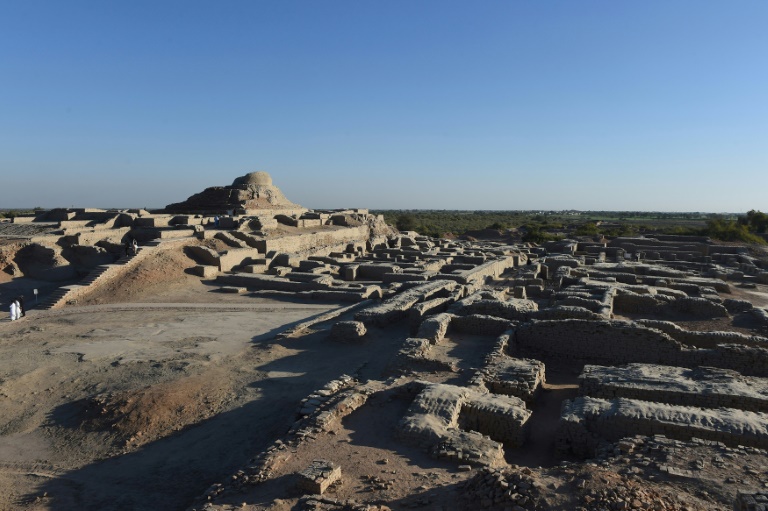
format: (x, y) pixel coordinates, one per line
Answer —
(435, 327)
(432, 423)
(607, 341)
(92, 237)
(478, 324)
(748, 360)
(515, 309)
(410, 276)
(468, 447)
(624, 278)
(570, 292)
(761, 315)
(703, 387)
(519, 377)
(237, 257)
(268, 282)
(565, 312)
(723, 249)
(700, 307)
(431, 307)
(757, 501)
(719, 285)
(206, 255)
(376, 271)
(689, 289)
(413, 355)
(634, 303)
(557, 262)
(310, 243)
(703, 339)
(396, 308)
(433, 410)
(735, 306)
(585, 418)
(503, 418)
(577, 301)
(492, 268)
(450, 268)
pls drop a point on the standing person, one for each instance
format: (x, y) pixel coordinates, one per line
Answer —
(14, 310)
(22, 310)
(135, 247)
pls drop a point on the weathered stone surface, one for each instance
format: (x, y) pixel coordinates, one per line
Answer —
(519, 377)
(348, 330)
(585, 420)
(205, 271)
(316, 478)
(705, 387)
(252, 192)
(440, 414)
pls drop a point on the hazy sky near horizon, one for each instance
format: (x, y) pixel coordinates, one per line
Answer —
(499, 104)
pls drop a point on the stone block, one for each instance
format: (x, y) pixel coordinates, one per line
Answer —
(348, 330)
(233, 289)
(316, 478)
(205, 271)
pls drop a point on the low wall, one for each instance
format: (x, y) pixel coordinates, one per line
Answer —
(421, 310)
(314, 242)
(585, 420)
(503, 418)
(479, 324)
(434, 420)
(704, 387)
(703, 339)
(513, 309)
(237, 257)
(396, 308)
(612, 342)
(492, 268)
(435, 327)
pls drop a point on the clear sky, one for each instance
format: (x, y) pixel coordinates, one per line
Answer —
(492, 104)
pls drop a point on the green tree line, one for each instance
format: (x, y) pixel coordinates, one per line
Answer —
(542, 226)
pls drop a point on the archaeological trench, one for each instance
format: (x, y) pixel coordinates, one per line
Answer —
(629, 373)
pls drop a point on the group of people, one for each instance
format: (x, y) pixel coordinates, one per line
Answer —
(17, 308)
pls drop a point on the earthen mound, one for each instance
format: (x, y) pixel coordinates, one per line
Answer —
(137, 417)
(247, 194)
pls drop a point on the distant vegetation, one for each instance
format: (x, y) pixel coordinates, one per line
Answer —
(13, 213)
(538, 226)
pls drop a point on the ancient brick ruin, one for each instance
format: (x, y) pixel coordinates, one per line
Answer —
(476, 326)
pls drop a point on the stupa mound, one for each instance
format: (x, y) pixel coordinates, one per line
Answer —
(248, 194)
(259, 178)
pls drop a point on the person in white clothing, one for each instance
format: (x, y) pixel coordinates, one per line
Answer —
(15, 310)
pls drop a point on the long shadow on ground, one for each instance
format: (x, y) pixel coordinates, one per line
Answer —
(170, 473)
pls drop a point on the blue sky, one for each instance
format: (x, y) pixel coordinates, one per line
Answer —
(652, 105)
